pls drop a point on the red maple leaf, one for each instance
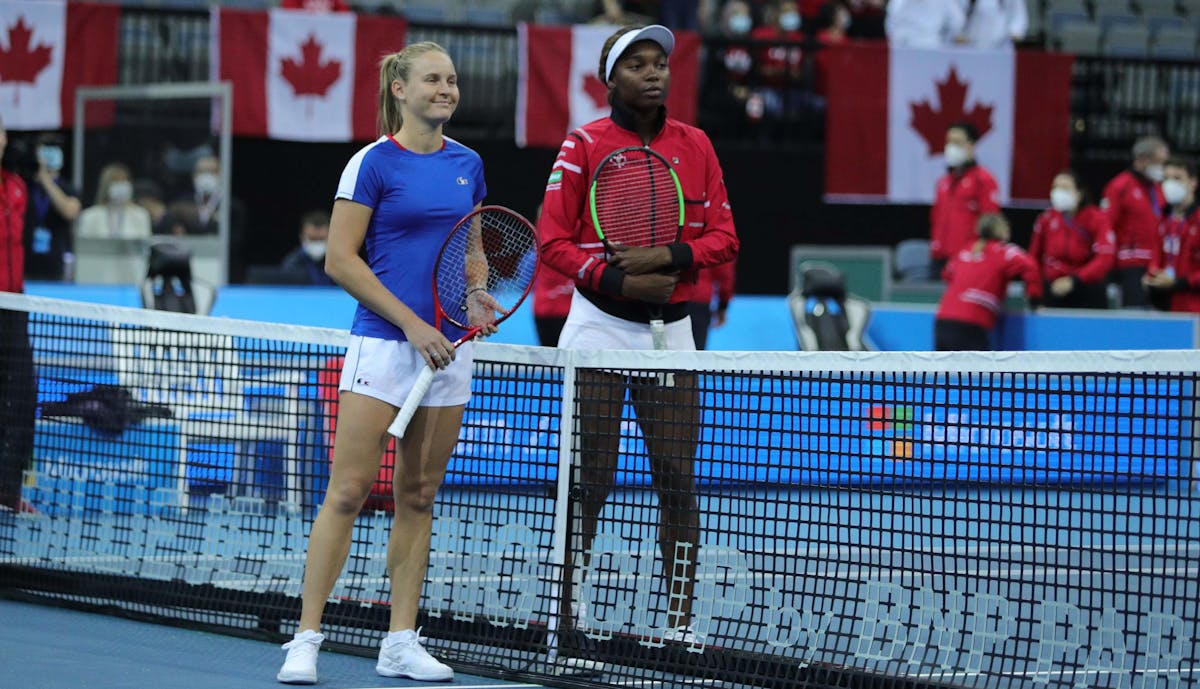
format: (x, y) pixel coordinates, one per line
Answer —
(952, 98)
(596, 89)
(310, 77)
(20, 64)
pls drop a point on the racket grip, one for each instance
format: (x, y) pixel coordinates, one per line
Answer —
(658, 333)
(400, 423)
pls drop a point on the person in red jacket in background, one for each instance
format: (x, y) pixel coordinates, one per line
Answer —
(18, 382)
(966, 192)
(1074, 247)
(977, 280)
(1135, 204)
(1173, 276)
(552, 292)
(718, 280)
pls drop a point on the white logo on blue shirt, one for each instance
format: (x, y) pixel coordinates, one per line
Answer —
(462, 181)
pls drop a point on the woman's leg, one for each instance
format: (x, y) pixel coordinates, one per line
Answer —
(669, 417)
(601, 397)
(359, 445)
(421, 459)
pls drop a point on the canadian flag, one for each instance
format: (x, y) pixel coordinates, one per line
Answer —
(551, 100)
(47, 51)
(888, 110)
(303, 76)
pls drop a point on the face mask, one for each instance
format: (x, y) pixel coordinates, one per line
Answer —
(789, 21)
(845, 22)
(51, 157)
(120, 192)
(315, 249)
(740, 23)
(955, 155)
(1174, 191)
(1063, 200)
(1154, 173)
(206, 182)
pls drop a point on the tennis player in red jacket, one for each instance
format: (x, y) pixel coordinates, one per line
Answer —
(977, 280)
(609, 307)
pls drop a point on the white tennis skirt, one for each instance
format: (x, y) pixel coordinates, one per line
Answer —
(387, 369)
(588, 327)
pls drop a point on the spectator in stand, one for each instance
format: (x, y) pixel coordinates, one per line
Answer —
(319, 6)
(780, 60)
(995, 24)
(730, 67)
(115, 215)
(924, 23)
(1135, 204)
(50, 214)
(148, 195)
(1173, 277)
(200, 211)
(18, 380)
(966, 192)
(1074, 247)
(833, 21)
(624, 12)
(977, 280)
(307, 261)
(716, 281)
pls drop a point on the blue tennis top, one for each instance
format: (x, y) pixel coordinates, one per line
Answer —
(416, 199)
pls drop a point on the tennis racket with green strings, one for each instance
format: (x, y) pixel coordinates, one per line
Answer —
(636, 200)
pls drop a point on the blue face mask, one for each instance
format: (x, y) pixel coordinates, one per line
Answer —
(51, 157)
(740, 23)
(789, 21)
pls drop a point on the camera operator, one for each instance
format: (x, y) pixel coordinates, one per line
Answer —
(51, 211)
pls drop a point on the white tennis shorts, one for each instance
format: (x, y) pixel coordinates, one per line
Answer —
(387, 369)
(588, 327)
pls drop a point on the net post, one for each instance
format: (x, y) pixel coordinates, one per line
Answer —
(562, 506)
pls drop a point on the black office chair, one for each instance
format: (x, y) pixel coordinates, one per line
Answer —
(169, 285)
(826, 317)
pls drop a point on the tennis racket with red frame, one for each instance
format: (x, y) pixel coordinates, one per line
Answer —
(636, 200)
(482, 273)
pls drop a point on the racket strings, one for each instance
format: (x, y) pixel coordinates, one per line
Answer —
(636, 202)
(494, 249)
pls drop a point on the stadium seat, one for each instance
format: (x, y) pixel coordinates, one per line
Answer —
(912, 262)
(486, 16)
(1111, 18)
(428, 14)
(825, 316)
(1158, 8)
(1174, 43)
(1080, 38)
(1053, 6)
(1126, 41)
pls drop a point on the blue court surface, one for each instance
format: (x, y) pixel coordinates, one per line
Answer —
(43, 647)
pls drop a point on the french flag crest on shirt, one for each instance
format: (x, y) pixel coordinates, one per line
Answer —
(303, 76)
(552, 101)
(889, 107)
(47, 51)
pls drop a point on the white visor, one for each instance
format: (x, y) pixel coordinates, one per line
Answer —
(655, 32)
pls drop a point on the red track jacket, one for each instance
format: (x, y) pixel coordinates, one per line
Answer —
(1134, 206)
(1082, 247)
(977, 282)
(570, 244)
(12, 227)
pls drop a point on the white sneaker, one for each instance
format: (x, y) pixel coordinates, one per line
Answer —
(300, 666)
(406, 657)
(685, 635)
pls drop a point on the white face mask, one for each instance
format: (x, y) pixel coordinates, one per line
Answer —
(789, 21)
(206, 182)
(955, 155)
(120, 192)
(314, 248)
(1174, 191)
(1154, 173)
(740, 23)
(1063, 200)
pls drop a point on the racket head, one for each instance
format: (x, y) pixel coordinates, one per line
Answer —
(635, 199)
(492, 247)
